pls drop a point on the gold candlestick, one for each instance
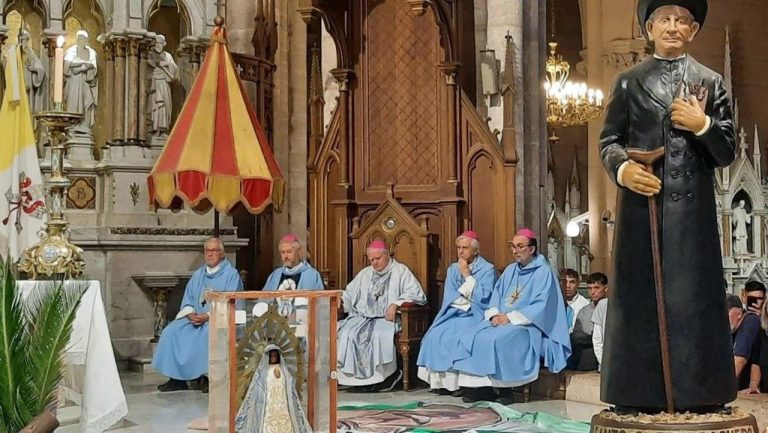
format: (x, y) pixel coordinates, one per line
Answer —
(55, 255)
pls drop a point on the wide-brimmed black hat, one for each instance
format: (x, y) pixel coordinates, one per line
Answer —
(697, 8)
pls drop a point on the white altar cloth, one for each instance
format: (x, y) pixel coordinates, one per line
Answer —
(91, 379)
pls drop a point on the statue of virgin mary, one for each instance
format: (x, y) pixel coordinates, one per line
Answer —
(272, 404)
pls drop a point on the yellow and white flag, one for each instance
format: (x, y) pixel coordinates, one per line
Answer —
(22, 197)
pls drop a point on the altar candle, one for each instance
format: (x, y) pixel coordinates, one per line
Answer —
(58, 71)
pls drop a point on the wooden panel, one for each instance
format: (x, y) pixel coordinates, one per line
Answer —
(403, 85)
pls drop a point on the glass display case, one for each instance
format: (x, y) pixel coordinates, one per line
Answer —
(301, 324)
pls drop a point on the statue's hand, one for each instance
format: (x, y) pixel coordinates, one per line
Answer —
(639, 180)
(688, 114)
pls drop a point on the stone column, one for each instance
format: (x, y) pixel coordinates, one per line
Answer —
(610, 46)
(118, 102)
(132, 99)
(144, 75)
(109, 83)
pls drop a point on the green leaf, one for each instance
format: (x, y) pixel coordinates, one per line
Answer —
(12, 363)
(50, 316)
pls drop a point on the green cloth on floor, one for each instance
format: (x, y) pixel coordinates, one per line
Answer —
(513, 420)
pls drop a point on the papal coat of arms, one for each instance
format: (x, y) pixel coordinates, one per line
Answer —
(30, 200)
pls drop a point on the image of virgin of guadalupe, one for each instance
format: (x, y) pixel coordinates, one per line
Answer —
(272, 403)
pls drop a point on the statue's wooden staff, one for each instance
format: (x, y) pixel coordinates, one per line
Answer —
(647, 158)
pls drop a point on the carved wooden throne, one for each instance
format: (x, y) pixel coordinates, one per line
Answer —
(407, 242)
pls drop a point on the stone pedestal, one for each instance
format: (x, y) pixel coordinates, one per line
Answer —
(159, 285)
(157, 144)
(80, 147)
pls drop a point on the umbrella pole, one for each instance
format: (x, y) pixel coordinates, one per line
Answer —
(215, 223)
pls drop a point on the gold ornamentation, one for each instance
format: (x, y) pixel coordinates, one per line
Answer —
(14, 22)
(270, 328)
(515, 296)
(55, 255)
(568, 103)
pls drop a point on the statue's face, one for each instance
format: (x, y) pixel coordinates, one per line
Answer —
(82, 41)
(671, 28)
(742, 203)
(159, 44)
(274, 357)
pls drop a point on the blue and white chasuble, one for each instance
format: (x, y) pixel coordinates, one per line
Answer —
(441, 346)
(300, 277)
(510, 355)
(182, 352)
(366, 347)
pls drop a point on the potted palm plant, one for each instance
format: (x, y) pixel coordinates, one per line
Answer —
(34, 331)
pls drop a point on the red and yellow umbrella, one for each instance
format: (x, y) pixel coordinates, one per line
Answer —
(217, 154)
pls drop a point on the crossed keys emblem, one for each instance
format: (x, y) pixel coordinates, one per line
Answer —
(29, 200)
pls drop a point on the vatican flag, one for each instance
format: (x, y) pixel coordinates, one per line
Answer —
(22, 199)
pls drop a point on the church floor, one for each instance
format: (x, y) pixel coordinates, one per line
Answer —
(153, 412)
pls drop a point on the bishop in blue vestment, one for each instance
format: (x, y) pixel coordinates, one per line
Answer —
(182, 352)
(468, 287)
(295, 274)
(526, 323)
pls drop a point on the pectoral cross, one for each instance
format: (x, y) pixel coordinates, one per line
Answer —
(514, 296)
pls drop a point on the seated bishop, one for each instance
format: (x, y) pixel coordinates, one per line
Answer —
(295, 274)
(468, 287)
(366, 346)
(182, 352)
(525, 324)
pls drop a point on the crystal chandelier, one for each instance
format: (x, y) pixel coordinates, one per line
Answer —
(568, 103)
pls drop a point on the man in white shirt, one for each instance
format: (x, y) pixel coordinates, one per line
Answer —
(572, 297)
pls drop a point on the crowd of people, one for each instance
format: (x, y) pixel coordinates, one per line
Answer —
(492, 334)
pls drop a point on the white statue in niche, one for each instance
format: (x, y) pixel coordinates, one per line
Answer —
(164, 72)
(552, 254)
(741, 219)
(80, 89)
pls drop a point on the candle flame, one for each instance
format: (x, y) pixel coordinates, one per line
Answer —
(60, 41)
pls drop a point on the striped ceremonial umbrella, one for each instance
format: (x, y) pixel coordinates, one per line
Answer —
(217, 155)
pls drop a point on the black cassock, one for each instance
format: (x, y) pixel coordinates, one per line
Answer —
(638, 116)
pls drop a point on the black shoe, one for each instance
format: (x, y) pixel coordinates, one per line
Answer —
(204, 384)
(391, 382)
(173, 385)
(440, 391)
(626, 411)
(360, 389)
(458, 393)
(479, 394)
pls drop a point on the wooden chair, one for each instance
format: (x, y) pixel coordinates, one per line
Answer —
(407, 242)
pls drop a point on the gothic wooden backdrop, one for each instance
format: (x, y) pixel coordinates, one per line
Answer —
(405, 116)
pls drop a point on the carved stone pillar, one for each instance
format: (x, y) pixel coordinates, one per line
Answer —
(144, 76)
(118, 103)
(49, 44)
(343, 76)
(109, 83)
(132, 101)
(196, 53)
(451, 69)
